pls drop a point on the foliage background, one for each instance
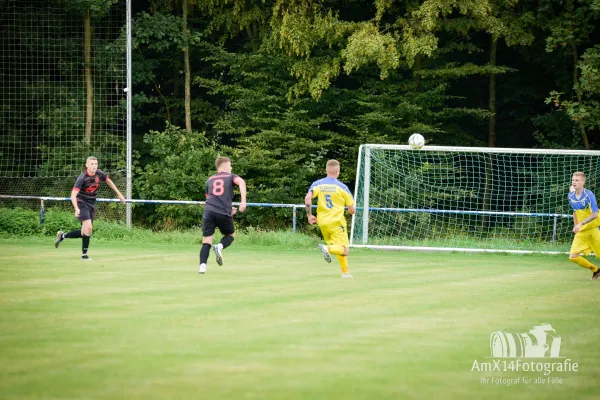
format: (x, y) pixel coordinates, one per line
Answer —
(282, 86)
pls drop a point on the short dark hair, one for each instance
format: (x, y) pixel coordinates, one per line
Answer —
(221, 160)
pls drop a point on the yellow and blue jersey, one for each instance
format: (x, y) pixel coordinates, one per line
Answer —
(332, 196)
(583, 207)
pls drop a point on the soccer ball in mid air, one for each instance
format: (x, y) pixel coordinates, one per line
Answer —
(416, 141)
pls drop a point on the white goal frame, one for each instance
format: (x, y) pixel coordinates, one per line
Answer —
(366, 150)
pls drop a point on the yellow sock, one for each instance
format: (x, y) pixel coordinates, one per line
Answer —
(582, 262)
(336, 249)
(343, 260)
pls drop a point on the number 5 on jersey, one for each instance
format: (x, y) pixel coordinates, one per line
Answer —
(328, 202)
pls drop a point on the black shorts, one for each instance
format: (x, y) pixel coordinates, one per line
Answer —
(212, 220)
(86, 211)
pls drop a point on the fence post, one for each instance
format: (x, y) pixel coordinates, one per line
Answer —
(554, 229)
(294, 219)
(42, 212)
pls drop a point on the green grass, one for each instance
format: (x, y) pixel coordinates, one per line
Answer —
(138, 322)
(474, 242)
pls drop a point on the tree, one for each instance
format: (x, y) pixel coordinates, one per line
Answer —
(570, 24)
(586, 110)
(516, 30)
(186, 7)
(155, 36)
(89, 9)
(186, 65)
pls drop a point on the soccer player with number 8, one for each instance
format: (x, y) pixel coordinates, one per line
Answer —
(218, 210)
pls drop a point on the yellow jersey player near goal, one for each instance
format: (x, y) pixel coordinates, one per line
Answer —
(585, 218)
(332, 196)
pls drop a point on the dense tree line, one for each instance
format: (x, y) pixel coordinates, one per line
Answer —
(283, 85)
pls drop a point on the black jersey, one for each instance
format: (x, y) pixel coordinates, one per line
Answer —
(87, 186)
(219, 193)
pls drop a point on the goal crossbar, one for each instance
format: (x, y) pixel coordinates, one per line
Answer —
(491, 150)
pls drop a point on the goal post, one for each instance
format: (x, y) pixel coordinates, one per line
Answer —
(467, 198)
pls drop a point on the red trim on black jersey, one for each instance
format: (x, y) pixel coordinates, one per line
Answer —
(220, 175)
(76, 189)
(236, 180)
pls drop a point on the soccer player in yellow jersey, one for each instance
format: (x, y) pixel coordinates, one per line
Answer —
(585, 218)
(332, 196)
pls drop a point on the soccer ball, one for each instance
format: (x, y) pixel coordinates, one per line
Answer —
(416, 141)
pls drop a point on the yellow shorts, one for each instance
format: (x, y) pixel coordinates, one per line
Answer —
(586, 241)
(335, 234)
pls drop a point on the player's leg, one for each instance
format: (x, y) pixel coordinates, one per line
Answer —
(343, 260)
(225, 225)
(60, 236)
(581, 245)
(86, 216)
(208, 230)
(322, 247)
(205, 252)
(594, 242)
(339, 239)
(332, 245)
(76, 234)
(86, 234)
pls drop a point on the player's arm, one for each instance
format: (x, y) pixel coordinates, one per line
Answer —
(114, 188)
(589, 219)
(243, 191)
(74, 200)
(76, 188)
(576, 226)
(593, 208)
(579, 226)
(350, 203)
(308, 205)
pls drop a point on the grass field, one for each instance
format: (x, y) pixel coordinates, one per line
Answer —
(138, 322)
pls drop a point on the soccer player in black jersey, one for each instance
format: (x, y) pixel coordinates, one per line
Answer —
(83, 198)
(218, 210)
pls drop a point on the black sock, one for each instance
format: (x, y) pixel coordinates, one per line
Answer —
(73, 234)
(204, 252)
(226, 241)
(85, 243)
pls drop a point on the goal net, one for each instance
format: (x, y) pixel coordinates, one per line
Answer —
(471, 199)
(62, 98)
